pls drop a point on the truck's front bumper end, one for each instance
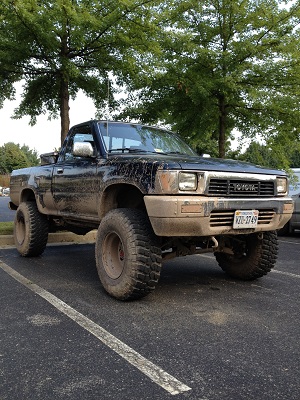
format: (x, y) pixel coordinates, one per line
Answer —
(12, 206)
(199, 216)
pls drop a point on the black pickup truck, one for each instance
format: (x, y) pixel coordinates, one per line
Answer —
(151, 197)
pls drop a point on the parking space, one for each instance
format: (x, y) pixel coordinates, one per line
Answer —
(200, 335)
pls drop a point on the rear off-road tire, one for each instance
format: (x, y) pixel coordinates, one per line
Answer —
(253, 255)
(128, 257)
(30, 230)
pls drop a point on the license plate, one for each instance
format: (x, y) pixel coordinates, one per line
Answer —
(245, 219)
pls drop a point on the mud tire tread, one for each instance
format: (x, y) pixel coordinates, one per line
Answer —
(35, 227)
(259, 260)
(142, 268)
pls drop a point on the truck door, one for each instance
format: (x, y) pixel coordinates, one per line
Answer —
(75, 184)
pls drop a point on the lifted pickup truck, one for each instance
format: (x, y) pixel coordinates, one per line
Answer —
(151, 198)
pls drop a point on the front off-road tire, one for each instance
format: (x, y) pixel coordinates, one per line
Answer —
(253, 255)
(30, 230)
(128, 257)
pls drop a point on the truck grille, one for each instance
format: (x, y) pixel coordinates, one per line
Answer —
(240, 188)
(219, 218)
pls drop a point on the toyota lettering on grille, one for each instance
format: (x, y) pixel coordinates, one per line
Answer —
(244, 187)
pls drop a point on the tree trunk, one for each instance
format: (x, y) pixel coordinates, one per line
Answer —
(222, 127)
(64, 109)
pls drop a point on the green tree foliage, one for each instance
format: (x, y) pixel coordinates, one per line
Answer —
(31, 155)
(202, 67)
(12, 156)
(273, 154)
(61, 46)
(262, 155)
(295, 158)
(226, 64)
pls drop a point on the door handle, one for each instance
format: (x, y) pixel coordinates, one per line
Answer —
(60, 170)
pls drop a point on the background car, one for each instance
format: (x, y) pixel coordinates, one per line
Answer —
(5, 191)
(294, 191)
(294, 222)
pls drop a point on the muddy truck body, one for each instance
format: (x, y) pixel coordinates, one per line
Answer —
(151, 198)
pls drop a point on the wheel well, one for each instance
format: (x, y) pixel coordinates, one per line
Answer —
(121, 196)
(27, 195)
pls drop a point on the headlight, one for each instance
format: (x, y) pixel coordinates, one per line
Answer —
(174, 182)
(187, 181)
(282, 187)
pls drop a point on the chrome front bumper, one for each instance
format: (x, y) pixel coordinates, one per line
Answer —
(209, 216)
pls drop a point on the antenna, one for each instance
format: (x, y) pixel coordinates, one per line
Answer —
(107, 114)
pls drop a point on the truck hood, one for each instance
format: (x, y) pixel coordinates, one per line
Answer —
(217, 164)
(169, 162)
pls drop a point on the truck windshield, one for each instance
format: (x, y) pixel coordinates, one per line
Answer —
(122, 137)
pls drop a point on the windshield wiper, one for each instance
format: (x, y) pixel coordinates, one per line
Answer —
(176, 152)
(122, 149)
(134, 150)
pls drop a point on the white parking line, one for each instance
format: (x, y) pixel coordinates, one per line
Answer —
(211, 256)
(155, 373)
(285, 273)
(287, 241)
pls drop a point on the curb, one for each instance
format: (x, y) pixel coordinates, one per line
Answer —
(54, 238)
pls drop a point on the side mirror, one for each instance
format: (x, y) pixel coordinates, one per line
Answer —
(83, 149)
(49, 158)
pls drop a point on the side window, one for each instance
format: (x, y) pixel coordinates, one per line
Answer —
(79, 134)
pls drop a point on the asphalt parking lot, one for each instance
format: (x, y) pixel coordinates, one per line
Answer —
(200, 335)
(5, 213)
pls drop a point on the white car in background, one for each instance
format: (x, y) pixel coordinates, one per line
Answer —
(294, 191)
(294, 222)
(5, 191)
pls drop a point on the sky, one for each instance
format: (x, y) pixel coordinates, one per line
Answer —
(43, 137)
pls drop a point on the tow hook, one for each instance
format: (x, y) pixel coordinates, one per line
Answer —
(216, 243)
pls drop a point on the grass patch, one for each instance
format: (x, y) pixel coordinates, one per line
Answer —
(6, 228)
